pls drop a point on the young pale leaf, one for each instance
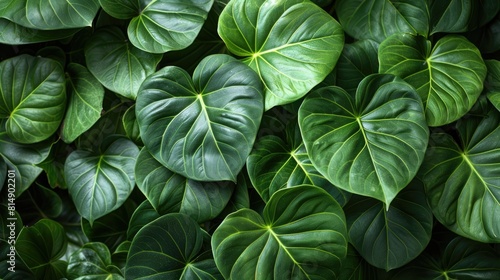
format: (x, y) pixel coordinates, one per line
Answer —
(41, 246)
(379, 19)
(202, 128)
(301, 235)
(291, 44)
(170, 192)
(492, 82)
(392, 238)
(371, 144)
(85, 102)
(32, 97)
(166, 25)
(93, 261)
(449, 78)
(462, 180)
(51, 14)
(116, 63)
(101, 182)
(167, 248)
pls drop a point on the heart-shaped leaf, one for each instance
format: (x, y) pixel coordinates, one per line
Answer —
(291, 44)
(448, 78)
(85, 102)
(378, 19)
(167, 248)
(371, 144)
(93, 261)
(392, 238)
(100, 182)
(32, 97)
(41, 246)
(116, 63)
(462, 180)
(301, 235)
(170, 192)
(202, 128)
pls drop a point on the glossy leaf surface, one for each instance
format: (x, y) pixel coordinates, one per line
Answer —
(291, 44)
(93, 261)
(301, 235)
(202, 127)
(371, 144)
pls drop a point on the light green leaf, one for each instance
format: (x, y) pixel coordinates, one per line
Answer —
(101, 182)
(379, 19)
(41, 246)
(301, 235)
(32, 97)
(170, 192)
(291, 44)
(167, 248)
(202, 128)
(449, 77)
(371, 144)
(85, 102)
(93, 261)
(462, 180)
(116, 63)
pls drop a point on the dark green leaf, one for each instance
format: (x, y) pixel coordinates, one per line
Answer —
(39, 202)
(92, 261)
(122, 9)
(116, 63)
(32, 97)
(10, 222)
(291, 44)
(131, 125)
(202, 128)
(448, 78)
(11, 266)
(492, 82)
(101, 182)
(371, 144)
(3, 172)
(301, 235)
(15, 34)
(143, 215)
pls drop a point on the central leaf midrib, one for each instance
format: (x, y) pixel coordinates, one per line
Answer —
(275, 236)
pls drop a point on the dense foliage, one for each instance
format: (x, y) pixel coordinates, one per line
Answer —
(250, 139)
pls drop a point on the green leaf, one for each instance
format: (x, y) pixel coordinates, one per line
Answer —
(354, 267)
(379, 19)
(21, 271)
(116, 63)
(166, 25)
(8, 217)
(462, 179)
(41, 246)
(15, 34)
(51, 14)
(275, 164)
(122, 9)
(167, 249)
(39, 202)
(93, 261)
(32, 97)
(291, 44)
(3, 172)
(143, 215)
(301, 235)
(392, 238)
(371, 144)
(131, 125)
(448, 78)
(202, 128)
(85, 102)
(170, 192)
(492, 82)
(101, 182)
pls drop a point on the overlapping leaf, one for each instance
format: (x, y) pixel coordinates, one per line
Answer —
(371, 144)
(462, 180)
(449, 77)
(202, 128)
(492, 82)
(15, 34)
(301, 235)
(291, 44)
(93, 260)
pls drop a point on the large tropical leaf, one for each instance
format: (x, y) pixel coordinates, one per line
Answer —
(100, 181)
(32, 97)
(291, 44)
(168, 248)
(379, 19)
(301, 235)
(371, 144)
(202, 128)
(449, 77)
(93, 261)
(116, 63)
(169, 192)
(462, 179)
(392, 238)
(41, 246)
